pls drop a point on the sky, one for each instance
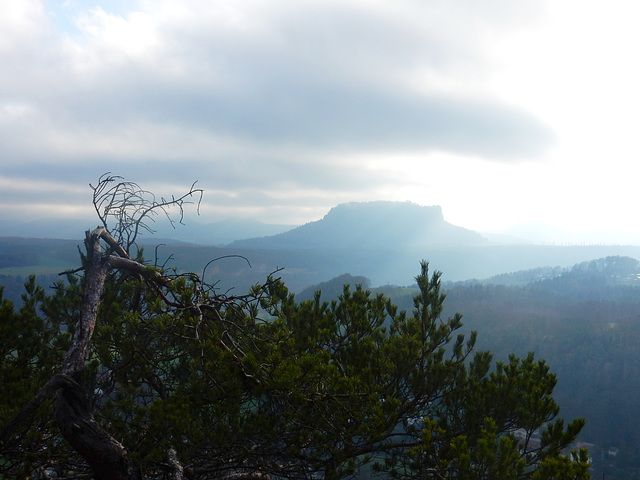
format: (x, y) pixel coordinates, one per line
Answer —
(503, 113)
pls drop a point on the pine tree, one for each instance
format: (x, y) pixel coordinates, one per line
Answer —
(155, 373)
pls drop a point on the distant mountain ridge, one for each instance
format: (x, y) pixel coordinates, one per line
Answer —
(580, 279)
(612, 270)
(382, 241)
(220, 232)
(372, 225)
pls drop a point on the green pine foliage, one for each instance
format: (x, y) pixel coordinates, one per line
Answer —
(265, 385)
(32, 346)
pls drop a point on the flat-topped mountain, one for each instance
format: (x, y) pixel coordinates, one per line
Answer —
(372, 225)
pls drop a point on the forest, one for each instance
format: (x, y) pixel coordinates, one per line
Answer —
(129, 369)
(584, 320)
(586, 323)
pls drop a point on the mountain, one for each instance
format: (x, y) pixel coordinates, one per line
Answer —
(221, 232)
(333, 288)
(192, 231)
(63, 229)
(372, 225)
(382, 241)
(616, 270)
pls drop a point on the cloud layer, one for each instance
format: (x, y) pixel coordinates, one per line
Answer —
(281, 105)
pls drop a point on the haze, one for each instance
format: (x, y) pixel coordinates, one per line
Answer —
(504, 113)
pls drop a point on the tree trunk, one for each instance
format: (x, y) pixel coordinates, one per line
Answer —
(107, 457)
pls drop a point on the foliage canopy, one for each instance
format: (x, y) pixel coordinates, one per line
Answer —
(182, 381)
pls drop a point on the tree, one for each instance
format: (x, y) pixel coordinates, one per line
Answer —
(31, 351)
(166, 377)
(133, 208)
(403, 394)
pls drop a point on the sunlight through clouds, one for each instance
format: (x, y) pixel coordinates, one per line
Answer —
(107, 40)
(18, 21)
(501, 113)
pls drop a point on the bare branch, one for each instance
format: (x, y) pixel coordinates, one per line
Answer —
(113, 243)
(204, 270)
(148, 273)
(132, 208)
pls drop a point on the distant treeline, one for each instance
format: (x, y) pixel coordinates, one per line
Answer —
(585, 321)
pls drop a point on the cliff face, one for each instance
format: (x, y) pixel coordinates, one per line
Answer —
(372, 225)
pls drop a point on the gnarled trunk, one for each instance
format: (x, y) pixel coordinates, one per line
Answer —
(107, 457)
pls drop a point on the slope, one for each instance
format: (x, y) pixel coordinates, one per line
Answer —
(372, 225)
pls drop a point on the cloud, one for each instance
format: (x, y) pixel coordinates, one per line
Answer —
(259, 97)
(19, 21)
(321, 75)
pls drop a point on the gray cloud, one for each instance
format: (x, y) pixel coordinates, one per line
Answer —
(258, 97)
(330, 118)
(323, 77)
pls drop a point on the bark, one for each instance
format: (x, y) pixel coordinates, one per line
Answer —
(178, 469)
(95, 276)
(107, 457)
(56, 382)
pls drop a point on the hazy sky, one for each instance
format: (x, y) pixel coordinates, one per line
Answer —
(503, 112)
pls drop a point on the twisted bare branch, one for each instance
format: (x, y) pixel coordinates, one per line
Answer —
(132, 209)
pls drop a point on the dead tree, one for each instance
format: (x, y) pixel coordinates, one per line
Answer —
(132, 209)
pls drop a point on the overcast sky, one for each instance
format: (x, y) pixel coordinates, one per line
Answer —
(503, 112)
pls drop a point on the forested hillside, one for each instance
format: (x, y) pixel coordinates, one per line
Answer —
(585, 321)
(128, 370)
(239, 268)
(169, 380)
